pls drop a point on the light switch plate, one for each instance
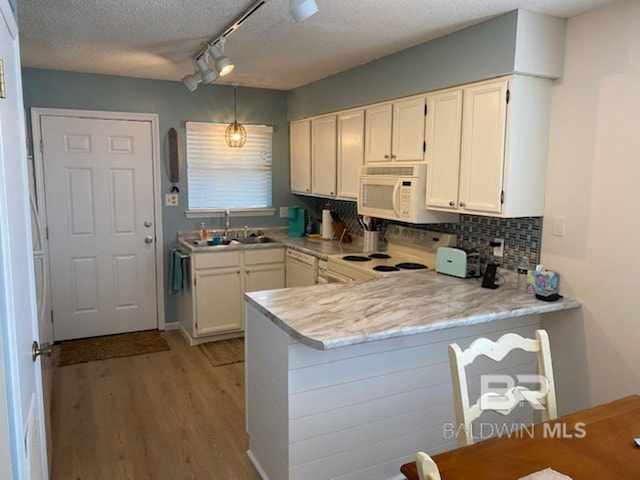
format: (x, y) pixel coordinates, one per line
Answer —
(171, 199)
(559, 225)
(284, 212)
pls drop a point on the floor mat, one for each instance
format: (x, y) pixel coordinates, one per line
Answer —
(224, 352)
(112, 346)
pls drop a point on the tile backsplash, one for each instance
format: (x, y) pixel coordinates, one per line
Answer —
(522, 236)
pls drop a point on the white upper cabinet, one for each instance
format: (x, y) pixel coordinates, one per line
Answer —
(350, 152)
(442, 133)
(489, 157)
(407, 141)
(395, 131)
(300, 150)
(483, 147)
(378, 133)
(323, 155)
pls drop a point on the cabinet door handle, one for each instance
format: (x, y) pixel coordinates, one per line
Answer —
(386, 157)
(452, 203)
(332, 193)
(462, 204)
(393, 157)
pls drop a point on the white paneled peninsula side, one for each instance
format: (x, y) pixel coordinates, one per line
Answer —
(348, 381)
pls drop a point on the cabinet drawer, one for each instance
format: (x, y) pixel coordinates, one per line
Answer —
(256, 257)
(212, 260)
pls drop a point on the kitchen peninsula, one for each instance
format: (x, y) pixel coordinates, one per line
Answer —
(348, 381)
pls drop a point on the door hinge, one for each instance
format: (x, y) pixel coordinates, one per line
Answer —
(2, 91)
(51, 316)
(41, 147)
(508, 95)
(424, 146)
(46, 232)
(194, 281)
(502, 197)
(425, 109)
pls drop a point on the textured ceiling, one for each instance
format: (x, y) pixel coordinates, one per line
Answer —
(158, 38)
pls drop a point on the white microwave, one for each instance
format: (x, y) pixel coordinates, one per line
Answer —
(397, 191)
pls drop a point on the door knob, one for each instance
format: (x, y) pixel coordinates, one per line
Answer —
(147, 223)
(37, 350)
(148, 239)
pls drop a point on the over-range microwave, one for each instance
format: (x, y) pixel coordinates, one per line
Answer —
(397, 191)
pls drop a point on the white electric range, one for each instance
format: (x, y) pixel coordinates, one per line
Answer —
(398, 258)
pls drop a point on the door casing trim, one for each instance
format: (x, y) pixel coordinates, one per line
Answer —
(36, 115)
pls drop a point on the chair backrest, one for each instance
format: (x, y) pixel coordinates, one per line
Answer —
(496, 351)
(427, 468)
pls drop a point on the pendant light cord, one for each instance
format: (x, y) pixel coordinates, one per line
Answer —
(235, 105)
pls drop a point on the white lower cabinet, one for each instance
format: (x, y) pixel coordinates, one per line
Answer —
(211, 306)
(218, 300)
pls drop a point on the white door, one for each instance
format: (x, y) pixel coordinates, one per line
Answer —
(442, 134)
(323, 155)
(300, 143)
(377, 136)
(408, 130)
(22, 444)
(350, 152)
(100, 216)
(484, 120)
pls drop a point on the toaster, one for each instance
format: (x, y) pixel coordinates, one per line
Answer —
(457, 262)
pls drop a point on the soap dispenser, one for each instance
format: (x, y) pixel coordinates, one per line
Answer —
(203, 232)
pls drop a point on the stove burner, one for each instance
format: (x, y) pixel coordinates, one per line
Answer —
(379, 255)
(356, 258)
(411, 266)
(386, 268)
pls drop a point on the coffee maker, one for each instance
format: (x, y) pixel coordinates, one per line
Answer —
(296, 221)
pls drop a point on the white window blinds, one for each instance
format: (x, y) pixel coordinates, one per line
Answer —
(223, 177)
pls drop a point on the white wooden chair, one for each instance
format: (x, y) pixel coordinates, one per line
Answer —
(427, 468)
(496, 351)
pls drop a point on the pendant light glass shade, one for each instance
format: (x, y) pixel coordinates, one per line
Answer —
(236, 134)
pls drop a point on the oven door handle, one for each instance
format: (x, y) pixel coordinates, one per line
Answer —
(396, 190)
(333, 277)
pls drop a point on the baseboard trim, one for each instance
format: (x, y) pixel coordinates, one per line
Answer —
(256, 464)
(172, 326)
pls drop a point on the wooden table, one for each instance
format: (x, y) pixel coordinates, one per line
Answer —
(606, 451)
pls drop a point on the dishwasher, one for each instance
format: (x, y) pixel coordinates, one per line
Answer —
(302, 269)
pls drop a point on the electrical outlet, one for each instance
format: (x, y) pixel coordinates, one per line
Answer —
(284, 212)
(498, 251)
(171, 199)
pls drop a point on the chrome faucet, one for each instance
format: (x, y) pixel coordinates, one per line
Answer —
(227, 215)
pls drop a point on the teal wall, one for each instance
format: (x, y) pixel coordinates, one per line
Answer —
(481, 51)
(174, 105)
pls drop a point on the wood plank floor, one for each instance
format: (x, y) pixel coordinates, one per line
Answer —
(166, 415)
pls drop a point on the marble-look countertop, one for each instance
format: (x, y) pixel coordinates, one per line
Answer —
(337, 315)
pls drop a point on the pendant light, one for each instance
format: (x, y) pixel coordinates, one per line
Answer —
(236, 134)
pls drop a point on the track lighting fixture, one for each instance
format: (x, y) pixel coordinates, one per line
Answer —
(223, 64)
(208, 75)
(191, 81)
(299, 10)
(302, 9)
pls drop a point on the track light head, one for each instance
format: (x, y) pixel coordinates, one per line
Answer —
(191, 81)
(302, 9)
(223, 64)
(208, 75)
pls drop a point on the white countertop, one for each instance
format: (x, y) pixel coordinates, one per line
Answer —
(337, 315)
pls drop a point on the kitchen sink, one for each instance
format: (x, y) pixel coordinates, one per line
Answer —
(233, 241)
